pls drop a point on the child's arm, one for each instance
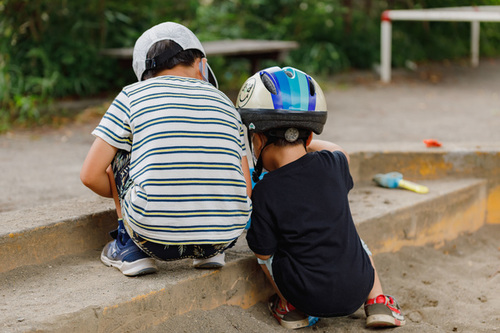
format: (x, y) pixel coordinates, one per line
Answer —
(246, 174)
(269, 276)
(317, 145)
(262, 257)
(93, 173)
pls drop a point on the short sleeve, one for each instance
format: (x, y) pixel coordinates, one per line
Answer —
(261, 236)
(114, 127)
(340, 160)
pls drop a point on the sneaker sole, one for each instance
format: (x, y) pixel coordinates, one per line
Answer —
(136, 268)
(209, 265)
(215, 262)
(297, 324)
(383, 321)
(293, 325)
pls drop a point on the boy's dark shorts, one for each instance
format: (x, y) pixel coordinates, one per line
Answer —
(120, 166)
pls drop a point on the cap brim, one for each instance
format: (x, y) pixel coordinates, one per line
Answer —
(211, 77)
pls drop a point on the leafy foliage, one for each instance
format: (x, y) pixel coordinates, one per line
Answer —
(50, 49)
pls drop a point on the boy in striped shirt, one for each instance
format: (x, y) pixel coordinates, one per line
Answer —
(170, 150)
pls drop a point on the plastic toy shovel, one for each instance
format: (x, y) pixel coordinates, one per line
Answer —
(395, 180)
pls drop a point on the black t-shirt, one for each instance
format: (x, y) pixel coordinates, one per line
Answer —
(301, 215)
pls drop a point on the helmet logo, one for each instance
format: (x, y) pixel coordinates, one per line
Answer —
(246, 92)
(291, 134)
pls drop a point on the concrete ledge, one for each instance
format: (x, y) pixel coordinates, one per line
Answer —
(37, 235)
(451, 208)
(78, 294)
(436, 163)
(240, 283)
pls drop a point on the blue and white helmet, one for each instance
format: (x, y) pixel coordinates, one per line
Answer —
(282, 98)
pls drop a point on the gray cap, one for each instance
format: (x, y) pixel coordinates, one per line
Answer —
(166, 31)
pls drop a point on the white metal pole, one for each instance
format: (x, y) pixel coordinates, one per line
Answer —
(474, 43)
(385, 50)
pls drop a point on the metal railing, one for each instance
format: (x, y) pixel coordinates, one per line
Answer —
(474, 15)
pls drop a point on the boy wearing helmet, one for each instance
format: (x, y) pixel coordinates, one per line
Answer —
(302, 231)
(170, 150)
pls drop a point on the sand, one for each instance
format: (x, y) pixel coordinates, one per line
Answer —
(455, 288)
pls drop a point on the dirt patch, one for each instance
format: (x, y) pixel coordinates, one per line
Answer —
(454, 288)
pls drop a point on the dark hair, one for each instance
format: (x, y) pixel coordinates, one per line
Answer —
(281, 142)
(186, 58)
(277, 137)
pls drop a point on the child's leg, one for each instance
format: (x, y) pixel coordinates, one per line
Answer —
(122, 253)
(381, 310)
(267, 271)
(284, 312)
(377, 286)
(114, 191)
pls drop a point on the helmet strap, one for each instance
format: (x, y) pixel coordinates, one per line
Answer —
(257, 171)
(258, 165)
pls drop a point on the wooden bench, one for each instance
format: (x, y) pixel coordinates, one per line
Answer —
(252, 49)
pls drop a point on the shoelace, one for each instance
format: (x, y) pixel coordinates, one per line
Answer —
(388, 300)
(381, 299)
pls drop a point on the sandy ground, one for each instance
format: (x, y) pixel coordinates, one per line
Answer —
(454, 288)
(451, 289)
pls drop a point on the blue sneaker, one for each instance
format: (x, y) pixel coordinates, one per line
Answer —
(123, 254)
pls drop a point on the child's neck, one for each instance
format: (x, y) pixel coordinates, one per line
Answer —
(183, 71)
(276, 157)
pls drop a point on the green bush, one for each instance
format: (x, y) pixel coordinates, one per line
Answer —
(51, 49)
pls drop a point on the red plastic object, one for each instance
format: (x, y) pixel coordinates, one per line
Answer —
(432, 143)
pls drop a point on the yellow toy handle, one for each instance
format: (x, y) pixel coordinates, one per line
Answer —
(413, 186)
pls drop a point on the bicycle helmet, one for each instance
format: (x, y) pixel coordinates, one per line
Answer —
(282, 102)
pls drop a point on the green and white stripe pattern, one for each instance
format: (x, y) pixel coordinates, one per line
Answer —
(186, 141)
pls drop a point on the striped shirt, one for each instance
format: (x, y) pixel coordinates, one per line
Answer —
(186, 141)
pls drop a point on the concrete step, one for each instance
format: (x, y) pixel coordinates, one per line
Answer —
(42, 233)
(77, 225)
(66, 288)
(418, 163)
(388, 219)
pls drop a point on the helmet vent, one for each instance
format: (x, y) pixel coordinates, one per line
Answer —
(268, 83)
(312, 90)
